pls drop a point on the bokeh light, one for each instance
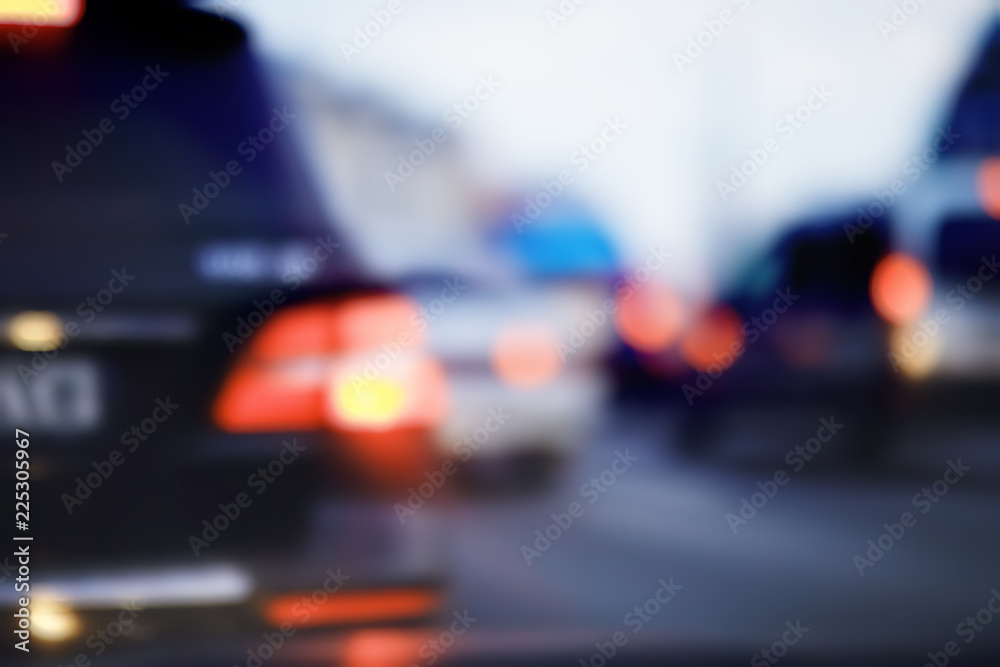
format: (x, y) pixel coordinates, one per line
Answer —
(525, 355)
(650, 319)
(900, 288)
(988, 186)
(711, 337)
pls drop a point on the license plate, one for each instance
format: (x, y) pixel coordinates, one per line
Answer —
(64, 397)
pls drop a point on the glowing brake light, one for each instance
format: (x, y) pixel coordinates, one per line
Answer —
(988, 186)
(714, 338)
(354, 607)
(900, 288)
(50, 13)
(295, 333)
(340, 365)
(256, 399)
(650, 318)
(384, 647)
(409, 392)
(379, 403)
(525, 355)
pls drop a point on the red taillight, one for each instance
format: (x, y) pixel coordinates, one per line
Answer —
(352, 607)
(356, 366)
(988, 186)
(269, 399)
(526, 355)
(384, 647)
(295, 333)
(362, 324)
(714, 337)
(650, 318)
(900, 288)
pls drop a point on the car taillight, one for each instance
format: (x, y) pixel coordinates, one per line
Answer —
(900, 288)
(51, 14)
(650, 318)
(526, 355)
(988, 186)
(385, 647)
(354, 366)
(410, 393)
(353, 607)
(715, 334)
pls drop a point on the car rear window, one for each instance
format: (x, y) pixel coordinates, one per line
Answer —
(964, 242)
(86, 161)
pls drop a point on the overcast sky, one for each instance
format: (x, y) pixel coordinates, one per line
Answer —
(888, 91)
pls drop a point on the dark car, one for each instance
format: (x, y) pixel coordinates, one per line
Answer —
(894, 312)
(809, 342)
(171, 292)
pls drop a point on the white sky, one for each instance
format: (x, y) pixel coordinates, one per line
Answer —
(614, 58)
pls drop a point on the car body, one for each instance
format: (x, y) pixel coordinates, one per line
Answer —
(895, 310)
(162, 238)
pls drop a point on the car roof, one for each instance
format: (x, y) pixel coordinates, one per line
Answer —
(208, 98)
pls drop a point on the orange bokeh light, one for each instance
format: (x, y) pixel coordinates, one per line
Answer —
(988, 186)
(714, 336)
(255, 400)
(58, 14)
(371, 321)
(412, 392)
(299, 331)
(354, 607)
(354, 366)
(362, 323)
(383, 647)
(525, 355)
(900, 288)
(650, 319)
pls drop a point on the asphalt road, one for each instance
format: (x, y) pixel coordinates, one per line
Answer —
(652, 532)
(665, 517)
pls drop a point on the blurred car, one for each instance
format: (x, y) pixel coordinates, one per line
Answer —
(795, 334)
(492, 299)
(947, 227)
(950, 227)
(177, 308)
(889, 306)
